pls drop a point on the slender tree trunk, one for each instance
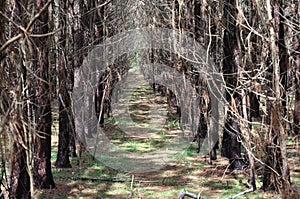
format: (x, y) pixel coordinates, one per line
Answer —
(200, 23)
(42, 147)
(77, 42)
(64, 98)
(65, 122)
(296, 41)
(277, 178)
(284, 55)
(247, 96)
(204, 29)
(297, 94)
(231, 146)
(253, 101)
(2, 27)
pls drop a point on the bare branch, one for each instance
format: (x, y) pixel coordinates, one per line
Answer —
(19, 36)
(38, 15)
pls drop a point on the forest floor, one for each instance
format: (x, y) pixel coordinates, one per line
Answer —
(90, 178)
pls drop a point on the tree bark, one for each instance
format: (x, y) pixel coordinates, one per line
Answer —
(66, 128)
(231, 146)
(283, 54)
(296, 55)
(277, 178)
(12, 113)
(65, 123)
(42, 147)
(19, 175)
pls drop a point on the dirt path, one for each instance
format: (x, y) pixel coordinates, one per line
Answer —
(92, 179)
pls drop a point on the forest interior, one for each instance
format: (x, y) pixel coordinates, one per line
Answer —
(150, 99)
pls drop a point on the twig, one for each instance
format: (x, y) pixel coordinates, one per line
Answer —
(44, 35)
(15, 38)
(242, 193)
(131, 186)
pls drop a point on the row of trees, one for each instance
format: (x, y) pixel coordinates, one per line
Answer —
(42, 42)
(255, 45)
(26, 97)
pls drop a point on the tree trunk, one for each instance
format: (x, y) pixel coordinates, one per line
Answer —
(77, 34)
(42, 147)
(66, 128)
(231, 147)
(20, 180)
(12, 117)
(199, 17)
(297, 101)
(276, 175)
(283, 55)
(20, 184)
(296, 44)
(65, 123)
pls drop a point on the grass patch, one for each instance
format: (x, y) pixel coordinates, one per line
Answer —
(173, 123)
(188, 152)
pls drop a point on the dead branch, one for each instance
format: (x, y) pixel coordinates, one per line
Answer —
(184, 193)
(10, 42)
(103, 179)
(242, 193)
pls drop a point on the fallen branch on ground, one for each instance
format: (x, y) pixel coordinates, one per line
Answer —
(184, 193)
(100, 179)
(242, 193)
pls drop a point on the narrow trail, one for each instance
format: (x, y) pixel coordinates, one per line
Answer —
(143, 107)
(139, 110)
(142, 121)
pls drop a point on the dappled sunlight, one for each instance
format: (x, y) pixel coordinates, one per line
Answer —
(185, 170)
